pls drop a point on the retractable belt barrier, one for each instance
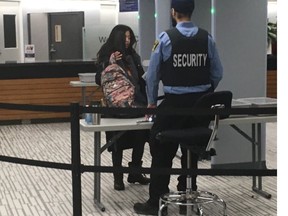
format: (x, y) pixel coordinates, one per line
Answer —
(77, 168)
(162, 111)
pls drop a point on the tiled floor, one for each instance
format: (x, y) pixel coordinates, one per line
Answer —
(34, 191)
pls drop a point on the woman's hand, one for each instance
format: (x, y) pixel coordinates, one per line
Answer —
(117, 55)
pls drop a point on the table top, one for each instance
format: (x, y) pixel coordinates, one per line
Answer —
(258, 101)
(113, 124)
(82, 84)
(248, 119)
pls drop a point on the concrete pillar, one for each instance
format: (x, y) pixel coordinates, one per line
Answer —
(146, 28)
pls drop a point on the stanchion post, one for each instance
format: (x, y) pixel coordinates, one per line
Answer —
(76, 159)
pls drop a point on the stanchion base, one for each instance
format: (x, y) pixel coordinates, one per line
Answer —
(262, 193)
(99, 205)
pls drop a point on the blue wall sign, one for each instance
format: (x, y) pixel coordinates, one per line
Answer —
(128, 5)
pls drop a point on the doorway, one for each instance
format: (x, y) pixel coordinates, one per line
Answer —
(66, 35)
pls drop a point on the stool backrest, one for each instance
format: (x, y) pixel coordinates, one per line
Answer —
(220, 99)
(213, 100)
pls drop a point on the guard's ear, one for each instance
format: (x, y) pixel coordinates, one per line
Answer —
(172, 12)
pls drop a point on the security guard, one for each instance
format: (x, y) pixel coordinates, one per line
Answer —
(186, 60)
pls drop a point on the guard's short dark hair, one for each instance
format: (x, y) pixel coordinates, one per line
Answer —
(183, 6)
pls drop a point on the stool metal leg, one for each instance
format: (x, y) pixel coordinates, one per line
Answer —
(188, 179)
(162, 205)
(224, 206)
(189, 210)
(189, 198)
(200, 210)
(188, 185)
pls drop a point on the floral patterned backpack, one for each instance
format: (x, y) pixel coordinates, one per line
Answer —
(118, 90)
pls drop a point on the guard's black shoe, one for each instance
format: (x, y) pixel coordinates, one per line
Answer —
(148, 209)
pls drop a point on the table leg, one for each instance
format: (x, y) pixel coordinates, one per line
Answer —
(83, 95)
(97, 176)
(254, 144)
(255, 140)
(256, 134)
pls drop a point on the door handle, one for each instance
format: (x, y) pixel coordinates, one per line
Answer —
(52, 49)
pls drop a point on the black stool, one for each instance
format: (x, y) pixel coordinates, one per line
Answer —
(198, 140)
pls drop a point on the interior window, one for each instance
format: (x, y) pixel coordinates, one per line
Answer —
(9, 31)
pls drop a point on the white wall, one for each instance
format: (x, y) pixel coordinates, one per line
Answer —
(10, 54)
(39, 35)
(99, 17)
(272, 11)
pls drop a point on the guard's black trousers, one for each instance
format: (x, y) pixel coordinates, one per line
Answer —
(163, 153)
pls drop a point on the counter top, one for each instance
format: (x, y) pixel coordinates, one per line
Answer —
(48, 69)
(53, 62)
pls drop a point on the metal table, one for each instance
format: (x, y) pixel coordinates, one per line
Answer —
(113, 124)
(108, 124)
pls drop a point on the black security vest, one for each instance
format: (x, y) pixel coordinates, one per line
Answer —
(189, 63)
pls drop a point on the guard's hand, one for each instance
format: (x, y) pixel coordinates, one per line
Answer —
(149, 116)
